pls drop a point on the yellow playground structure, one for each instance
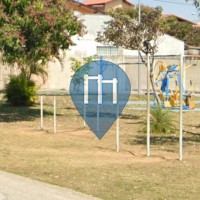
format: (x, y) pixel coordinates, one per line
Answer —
(164, 75)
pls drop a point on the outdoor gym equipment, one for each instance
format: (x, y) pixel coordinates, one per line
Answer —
(170, 98)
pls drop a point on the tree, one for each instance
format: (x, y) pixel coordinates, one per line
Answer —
(33, 31)
(197, 4)
(124, 30)
(76, 65)
(183, 30)
(161, 121)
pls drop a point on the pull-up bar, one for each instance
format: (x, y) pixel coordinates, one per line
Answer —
(55, 122)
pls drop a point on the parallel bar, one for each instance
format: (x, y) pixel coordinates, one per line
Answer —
(97, 117)
(84, 116)
(139, 70)
(115, 81)
(100, 88)
(139, 73)
(181, 111)
(85, 89)
(117, 131)
(54, 116)
(41, 113)
(117, 135)
(148, 105)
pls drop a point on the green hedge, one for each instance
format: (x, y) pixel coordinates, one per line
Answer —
(20, 91)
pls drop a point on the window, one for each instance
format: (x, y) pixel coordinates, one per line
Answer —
(107, 51)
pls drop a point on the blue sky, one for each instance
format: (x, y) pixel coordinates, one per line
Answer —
(177, 7)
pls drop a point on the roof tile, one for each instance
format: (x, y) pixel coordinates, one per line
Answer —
(92, 2)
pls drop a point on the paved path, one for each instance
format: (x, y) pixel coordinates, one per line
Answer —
(14, 187)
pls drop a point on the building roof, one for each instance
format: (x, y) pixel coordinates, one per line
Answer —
(92, 2)
(80, 7)
(96, 2)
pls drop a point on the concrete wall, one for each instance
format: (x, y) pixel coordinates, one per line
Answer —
(59, 73)
(5, 73)
(190, 73)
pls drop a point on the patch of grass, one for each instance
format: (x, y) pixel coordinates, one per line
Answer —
(161, 121)
(75, 158)
(10, 113)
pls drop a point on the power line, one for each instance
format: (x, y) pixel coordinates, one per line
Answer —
(173, 2)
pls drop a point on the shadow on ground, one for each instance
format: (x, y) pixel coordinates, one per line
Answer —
(162, 139)
(10, 113)
(129, 116)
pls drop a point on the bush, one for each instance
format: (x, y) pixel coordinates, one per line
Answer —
(20, 91)
(161, 121)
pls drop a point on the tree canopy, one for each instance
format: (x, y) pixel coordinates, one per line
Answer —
(197, 4)
(183, 30)
(124, 30)
(33, 31)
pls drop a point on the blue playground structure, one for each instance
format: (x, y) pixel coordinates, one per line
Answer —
(169, 97)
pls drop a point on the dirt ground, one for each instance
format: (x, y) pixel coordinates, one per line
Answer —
(74, 157)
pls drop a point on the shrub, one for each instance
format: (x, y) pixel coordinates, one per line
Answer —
(161, 121)
(20, 91)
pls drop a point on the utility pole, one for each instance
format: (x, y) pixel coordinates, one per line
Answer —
(139, 70)
(139, 12)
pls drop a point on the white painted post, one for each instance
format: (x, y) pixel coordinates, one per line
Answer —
(84, 123)
(148, 105)
(85, 89)
(184, 78)
(99, 81)
(139, 69)
(54, 116)
(115, 91)
(41, 113)
(181, 111)
(97, 117)
(117, 131)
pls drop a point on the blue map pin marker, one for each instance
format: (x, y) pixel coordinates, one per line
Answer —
(100, 90)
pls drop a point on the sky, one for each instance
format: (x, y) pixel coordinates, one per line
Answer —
(177, 7)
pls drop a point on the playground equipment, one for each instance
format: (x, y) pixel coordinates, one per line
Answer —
(168, 96)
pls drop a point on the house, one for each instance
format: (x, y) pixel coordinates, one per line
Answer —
(79, 7)
(105, 5)
(165, 43)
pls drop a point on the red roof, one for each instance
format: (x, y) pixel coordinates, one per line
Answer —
(93, 2)
(80, 7)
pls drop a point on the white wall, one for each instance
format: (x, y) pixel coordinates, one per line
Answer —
(168, 45)
(87, 43)
(59, 77)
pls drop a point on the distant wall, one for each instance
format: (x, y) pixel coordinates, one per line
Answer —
(131, 67)
(59, 74)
